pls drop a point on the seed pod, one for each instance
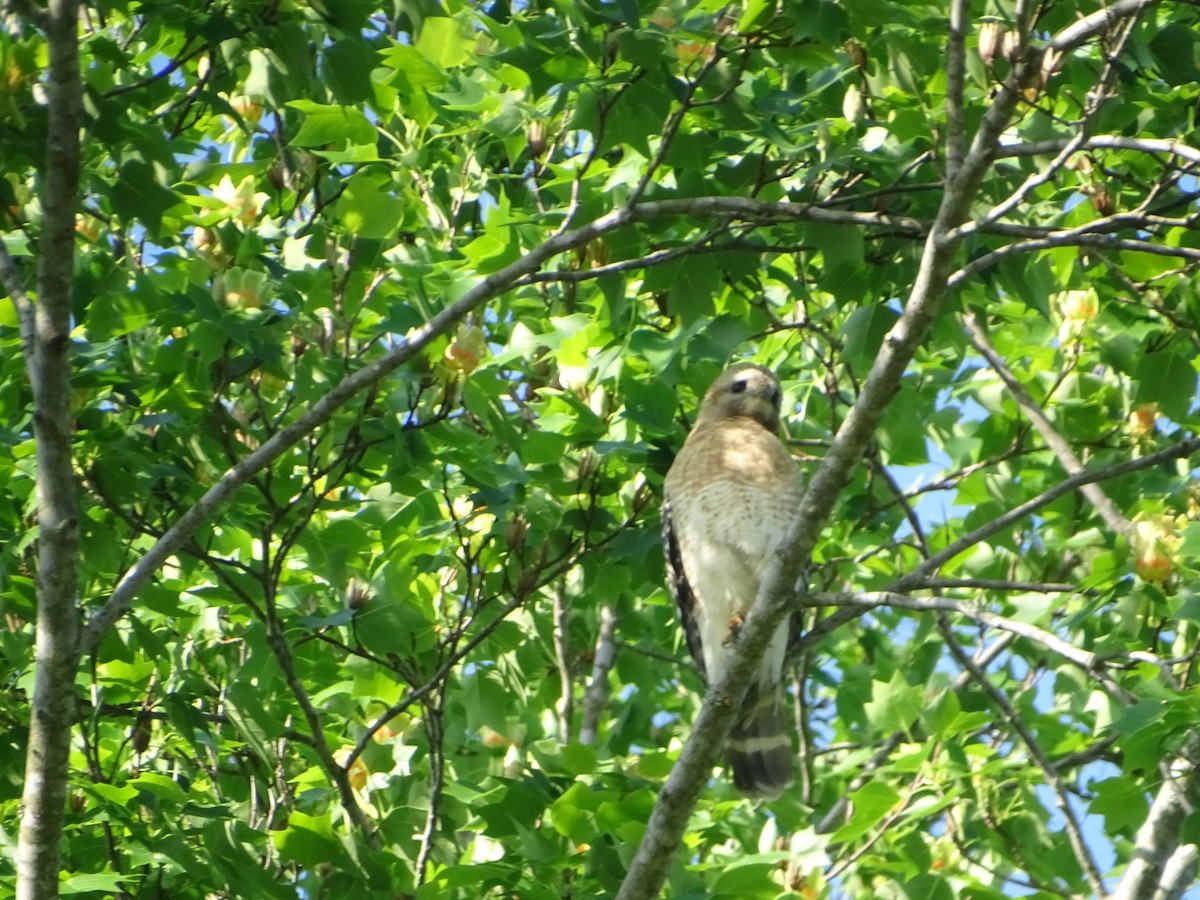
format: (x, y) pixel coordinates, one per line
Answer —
(514, 534)
(852, 104)
(358, 594)
(143, 728)
(1051, 60)
(536, 138)
(858, 55)
(990, 37)
(1010, 45)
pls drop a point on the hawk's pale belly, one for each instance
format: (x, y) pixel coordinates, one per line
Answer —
(725, 564)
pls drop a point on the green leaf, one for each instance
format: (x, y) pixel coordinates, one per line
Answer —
(367, 210)
(1121, 802)
(86, 884)
(1168, 379)
(446, 42)
(307, 840)
(137, 194)
(749, 879)
(350, 63)
(324, 124)
(895, 705)
(864, 332)
(1174, 49)
(869, 805)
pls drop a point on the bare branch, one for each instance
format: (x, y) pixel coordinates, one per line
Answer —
(1074, 831)
(596, 695)
(1158, 860)
(995, 584)
(1105, 142)
(1182, 450)
(1084, 236)
(678, 797)
(1087, 660)
(48, 359)
(566, 702)
(1179, 873)
(1097, 23)
(432, 721)
(956, 68)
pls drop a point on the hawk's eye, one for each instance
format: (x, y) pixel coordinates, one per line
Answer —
(776, 399)
(738, 387)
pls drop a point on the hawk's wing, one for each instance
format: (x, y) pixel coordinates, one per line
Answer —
(681, 589)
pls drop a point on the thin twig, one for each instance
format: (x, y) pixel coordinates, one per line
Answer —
(1182, 450)
(1017, 723)
(1090, 661)
(432, 721)
(1055, 441)
(565, 707)
(837, 813)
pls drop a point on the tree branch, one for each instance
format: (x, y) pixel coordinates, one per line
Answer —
(1055, 441)
(432, 720)
(48, 359)
(565, 707)
(1104, 142)
(486, 289)
(1098, 23)
(1089, 661)
(596, 695)
(678, 797)
(913, 579)
(1074, 831)
(1158, 861)
(956, 69)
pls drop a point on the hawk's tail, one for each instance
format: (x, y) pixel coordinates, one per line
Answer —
(759, 750)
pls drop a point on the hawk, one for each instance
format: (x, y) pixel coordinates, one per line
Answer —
(728, 502)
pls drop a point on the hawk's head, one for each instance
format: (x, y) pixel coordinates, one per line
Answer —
(747, 390)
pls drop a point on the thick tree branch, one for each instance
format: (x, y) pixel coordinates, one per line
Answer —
(956, 70)
(1097, 23)
(1158, 863)
(679, 795)
(49, 362)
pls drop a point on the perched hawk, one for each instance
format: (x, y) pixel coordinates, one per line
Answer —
(728, 502)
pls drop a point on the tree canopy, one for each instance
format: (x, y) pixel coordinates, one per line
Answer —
(346, 348)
